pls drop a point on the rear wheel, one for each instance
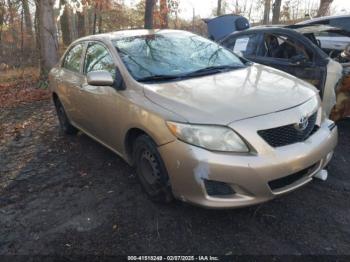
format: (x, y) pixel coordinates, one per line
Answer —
(151, 170)
(65, 125)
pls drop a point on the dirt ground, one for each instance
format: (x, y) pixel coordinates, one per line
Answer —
(69, 195)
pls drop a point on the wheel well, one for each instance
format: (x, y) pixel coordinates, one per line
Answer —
(130, 137)
(55, 98)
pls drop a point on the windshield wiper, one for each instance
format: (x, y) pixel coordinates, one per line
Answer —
(200, 72)
(213, 70)
(159, 78)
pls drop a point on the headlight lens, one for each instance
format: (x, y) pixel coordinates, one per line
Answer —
(216, 138)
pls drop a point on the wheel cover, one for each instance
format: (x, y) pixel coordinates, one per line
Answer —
(150, 173)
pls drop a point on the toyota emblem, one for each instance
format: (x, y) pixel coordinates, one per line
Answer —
(302, 124)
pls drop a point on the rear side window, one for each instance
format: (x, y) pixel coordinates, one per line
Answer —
(244, 45)
(98, 58)
(73, 58)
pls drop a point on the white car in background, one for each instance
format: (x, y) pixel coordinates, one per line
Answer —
(329, 40)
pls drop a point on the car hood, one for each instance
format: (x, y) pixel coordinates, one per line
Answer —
(227, 97)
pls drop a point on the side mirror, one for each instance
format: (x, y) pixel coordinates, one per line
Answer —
(100, 78)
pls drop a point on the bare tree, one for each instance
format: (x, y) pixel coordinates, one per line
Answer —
(267, 10)
(12, 10)
(276, 11)
(27, 17)
(64, 21)
(324, 8)
(47, 35)
(163, 13)
(2, 18)
(149, 13)
(218, 12)
(81, 24)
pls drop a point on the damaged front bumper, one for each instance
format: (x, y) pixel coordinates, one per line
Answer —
(252, 178)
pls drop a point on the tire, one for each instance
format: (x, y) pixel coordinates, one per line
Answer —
(65, 124)
(151, 171)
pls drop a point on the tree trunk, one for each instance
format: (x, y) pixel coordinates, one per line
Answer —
(95, 19)
(276, 11)
(218, 11)
(163, 13)
(149, 14)
(47, 35)
(324, 8)
(81, 24)
(267, 9)
(27, 18)
(11, 11)
(2, 19)
(64, 21)
(72, 24)
(100, 21)
(86, 20)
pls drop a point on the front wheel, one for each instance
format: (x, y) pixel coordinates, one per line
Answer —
(151, 170)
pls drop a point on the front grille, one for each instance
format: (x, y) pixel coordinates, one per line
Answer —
(288, 180)
(289, 134)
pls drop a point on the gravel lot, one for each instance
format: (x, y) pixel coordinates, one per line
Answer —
(69, 195)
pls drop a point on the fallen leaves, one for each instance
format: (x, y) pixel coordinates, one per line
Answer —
(18, 86)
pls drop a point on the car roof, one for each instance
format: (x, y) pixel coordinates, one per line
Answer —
(130, 33)
(318, 19)
(263, 28)
(318, 28)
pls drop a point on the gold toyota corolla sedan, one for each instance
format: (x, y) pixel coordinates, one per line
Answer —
(197, 122)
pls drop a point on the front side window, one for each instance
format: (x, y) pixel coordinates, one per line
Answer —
(72, 59)
(244, 45)
(98, 59)
(283, 47)
(172, 54)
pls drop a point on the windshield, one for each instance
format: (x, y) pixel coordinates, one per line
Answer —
(172, 54)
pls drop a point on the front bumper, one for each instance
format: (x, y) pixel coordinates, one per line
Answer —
(249, 175)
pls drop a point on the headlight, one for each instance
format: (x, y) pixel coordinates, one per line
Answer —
(216, 138)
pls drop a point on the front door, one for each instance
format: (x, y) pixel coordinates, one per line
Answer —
(289, 55)
(102, 110)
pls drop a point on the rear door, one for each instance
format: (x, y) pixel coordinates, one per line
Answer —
(69, 82)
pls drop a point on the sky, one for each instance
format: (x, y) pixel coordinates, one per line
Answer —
(204, 8)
